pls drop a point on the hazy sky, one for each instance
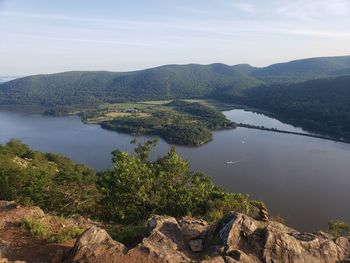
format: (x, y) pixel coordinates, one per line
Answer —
(43, 36)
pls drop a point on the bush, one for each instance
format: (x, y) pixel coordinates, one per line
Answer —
(138, 188)
(338, 228)
(50, 181)
(65, 234)
(36, 227)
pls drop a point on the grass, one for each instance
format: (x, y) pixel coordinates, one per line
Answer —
(66, 234)
(156, 102)
(36, 227)
(116, 114)
(108, 112)
(39, 229)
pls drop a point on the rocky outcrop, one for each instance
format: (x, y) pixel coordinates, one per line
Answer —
(95, 245)
(166, 241)
(248, 240)
(234, 238)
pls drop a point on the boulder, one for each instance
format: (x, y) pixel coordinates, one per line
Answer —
(192, 228)
(96, 246)
(214, 260)
(249, 240)
(166, 241)
(228, 259)
(196, 245)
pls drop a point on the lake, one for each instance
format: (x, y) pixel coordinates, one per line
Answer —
(305, 180)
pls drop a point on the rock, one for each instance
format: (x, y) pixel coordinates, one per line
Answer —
(5, 205)
(3, 249)
(166, 241)
(284, 244)
(215, 250)
(214, 260)
(196, 245)
(263, 213)
(237, 229)
(192, 228)
(96, 246)
(324, 235)
(249, 240)
(228, 259)
(242, 257)
(5, 260)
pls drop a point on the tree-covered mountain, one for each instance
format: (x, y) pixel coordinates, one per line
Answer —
(305, 69)
(165, 82)
(321, 105)
(311, 92)
(86, 88)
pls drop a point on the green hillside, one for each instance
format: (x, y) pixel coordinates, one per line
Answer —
(86, 88)
(313, 93)
(305, 69)
(321, 105)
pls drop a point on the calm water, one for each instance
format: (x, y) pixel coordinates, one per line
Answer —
(306, 180)
(258, 119)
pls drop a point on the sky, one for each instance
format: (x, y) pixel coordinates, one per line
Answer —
(46, 36)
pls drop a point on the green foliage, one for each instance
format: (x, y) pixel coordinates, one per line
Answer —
(131, 192)
(321, 106)
(92, 88)
(129, 235)
(36, 227)
(66, 234)
(338, 228)
(232, 202)
(136, 189)
(50, 181)
(186, 124)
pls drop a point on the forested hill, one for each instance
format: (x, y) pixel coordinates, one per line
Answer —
(321, 105)
(165, 82)
(305, 69)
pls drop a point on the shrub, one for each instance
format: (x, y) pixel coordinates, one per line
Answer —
(67, 233)
(338, 228)
(137, 188)
(36, 227)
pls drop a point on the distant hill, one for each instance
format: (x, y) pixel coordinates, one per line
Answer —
(4, 79)
(313, 93)
(321, 105)
(305, 69)
(165, 82)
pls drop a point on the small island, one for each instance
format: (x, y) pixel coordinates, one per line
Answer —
(182, 122)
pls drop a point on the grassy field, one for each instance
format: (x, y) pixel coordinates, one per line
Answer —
(179, 122)
(144, 109)
(108, 112)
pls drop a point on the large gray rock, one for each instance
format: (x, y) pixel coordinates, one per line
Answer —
(248, 240)
(96, 246)
(214, 260)
(193, 228)
(166, 241)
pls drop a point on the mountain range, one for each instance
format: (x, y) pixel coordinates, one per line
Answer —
(313, 93)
